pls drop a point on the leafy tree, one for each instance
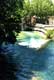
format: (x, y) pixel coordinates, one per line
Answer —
(9, 15)
(38, 7)
(9, 8)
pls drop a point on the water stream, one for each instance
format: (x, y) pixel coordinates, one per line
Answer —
(34, 65)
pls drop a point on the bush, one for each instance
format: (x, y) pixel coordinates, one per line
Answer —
(50, 34)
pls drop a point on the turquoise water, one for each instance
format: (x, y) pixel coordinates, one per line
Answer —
(30, 39)
(33, 63)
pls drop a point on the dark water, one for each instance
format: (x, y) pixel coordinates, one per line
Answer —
(33, 63)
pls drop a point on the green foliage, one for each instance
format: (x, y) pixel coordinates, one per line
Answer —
(14, 10)
(26, 8)
(10, 8)
(21, 36)
(10, 17)
(38, 7)
(50, 34)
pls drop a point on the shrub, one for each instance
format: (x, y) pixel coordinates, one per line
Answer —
(50, 34)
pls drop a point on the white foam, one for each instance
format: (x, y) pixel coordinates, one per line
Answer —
(34, 43)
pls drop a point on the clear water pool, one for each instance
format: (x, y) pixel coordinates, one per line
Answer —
(31, 39)
(33, 63)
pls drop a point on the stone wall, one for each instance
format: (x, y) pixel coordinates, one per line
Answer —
(51, 20)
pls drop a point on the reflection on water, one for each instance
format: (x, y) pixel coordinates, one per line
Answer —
(36, 65)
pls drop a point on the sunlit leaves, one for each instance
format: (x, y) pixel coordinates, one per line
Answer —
(39, 7)
(10, 7)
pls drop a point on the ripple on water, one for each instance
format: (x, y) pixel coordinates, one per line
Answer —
(39, 64)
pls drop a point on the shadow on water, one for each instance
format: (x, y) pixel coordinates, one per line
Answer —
(30, 59)
(7, 68)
